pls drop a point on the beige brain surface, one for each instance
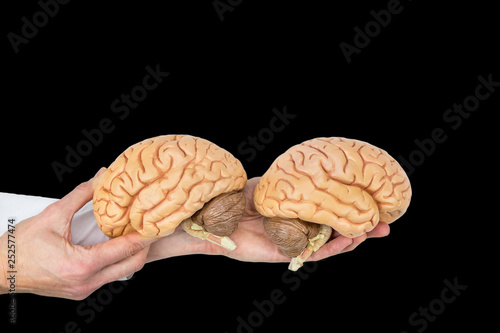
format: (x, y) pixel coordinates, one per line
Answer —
(156, 184)
(346, 184)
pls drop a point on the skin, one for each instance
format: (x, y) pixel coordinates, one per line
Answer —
(253, 243)
(51, 265)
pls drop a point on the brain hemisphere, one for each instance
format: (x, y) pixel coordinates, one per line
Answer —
(347, 184)
(157, 183)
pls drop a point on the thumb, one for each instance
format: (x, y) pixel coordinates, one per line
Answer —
(97, 177)
(76, 199)
(119, 248)
(82, 194)
(248, 190)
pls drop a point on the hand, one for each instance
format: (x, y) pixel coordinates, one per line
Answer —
(49, 264)
(253, 243)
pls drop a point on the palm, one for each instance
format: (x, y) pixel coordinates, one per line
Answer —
(252, 241)
(251, 238)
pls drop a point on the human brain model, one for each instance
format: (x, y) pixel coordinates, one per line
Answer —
(326, 183)
(161, 182)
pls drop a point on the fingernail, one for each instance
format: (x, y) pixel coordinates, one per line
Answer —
(101, 170)
(95, 179)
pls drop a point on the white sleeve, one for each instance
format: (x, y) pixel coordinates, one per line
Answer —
(84, 229)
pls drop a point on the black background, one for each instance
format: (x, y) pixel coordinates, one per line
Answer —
(225, 79)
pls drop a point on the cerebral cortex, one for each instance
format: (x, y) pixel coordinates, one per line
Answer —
(157, 183)
(347, 184)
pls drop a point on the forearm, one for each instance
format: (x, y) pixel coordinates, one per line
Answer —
(175, 245)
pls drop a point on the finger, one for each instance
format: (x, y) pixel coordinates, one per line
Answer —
(122, 268)
(333, 247)
(340, 244)
(355, 242)
(97, 177)
(381, 230)
(248, 191)
(116, 249)
(77, 198)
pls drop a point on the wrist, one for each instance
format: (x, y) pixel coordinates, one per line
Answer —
(176, 245)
